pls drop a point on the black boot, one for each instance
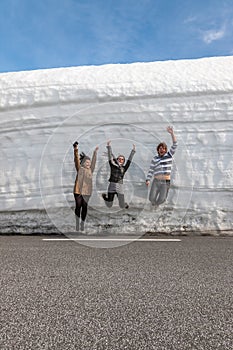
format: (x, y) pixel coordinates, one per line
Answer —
(104, 196)
(77, 223)
(82, 225)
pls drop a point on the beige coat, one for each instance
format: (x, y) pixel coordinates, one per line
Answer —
(83, 181)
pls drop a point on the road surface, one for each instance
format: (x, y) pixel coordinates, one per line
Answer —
(60, 294)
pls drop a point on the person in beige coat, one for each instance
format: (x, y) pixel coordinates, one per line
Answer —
(83, 184)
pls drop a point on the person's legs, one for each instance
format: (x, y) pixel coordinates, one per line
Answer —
(78, 205)
(162, 191)
(84, 210)
(162, 195)
(121, 199)
(84, 205)
(108, 199)
(154, 192)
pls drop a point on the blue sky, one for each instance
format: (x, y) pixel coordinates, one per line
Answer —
(38, 34)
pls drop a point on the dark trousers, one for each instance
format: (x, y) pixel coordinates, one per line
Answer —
(110, 197)
(159, 191)
(81, 205)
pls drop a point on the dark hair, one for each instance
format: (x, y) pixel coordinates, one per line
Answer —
(163, 144)
(121, 155)
(83, 157)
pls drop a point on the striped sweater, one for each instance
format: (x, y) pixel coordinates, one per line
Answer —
(161, 165)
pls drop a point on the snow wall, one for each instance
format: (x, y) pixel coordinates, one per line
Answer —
(43, 112)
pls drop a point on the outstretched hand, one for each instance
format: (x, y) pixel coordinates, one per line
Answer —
(75, 145)
(170, 129)
(97, 148)
(108, 142)
(171, 132)
(134, 147)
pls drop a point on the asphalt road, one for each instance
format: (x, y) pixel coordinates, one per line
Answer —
(143, 295)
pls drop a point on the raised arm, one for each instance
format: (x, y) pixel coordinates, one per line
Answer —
(174, 140)
(132, 153)
(109, 149)
(93, 160)
(76, 158)
(171, 132)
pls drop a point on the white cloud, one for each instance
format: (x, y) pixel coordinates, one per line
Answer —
(212, 35)
(190, 19)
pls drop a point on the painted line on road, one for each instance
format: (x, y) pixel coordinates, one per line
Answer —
(113, 239)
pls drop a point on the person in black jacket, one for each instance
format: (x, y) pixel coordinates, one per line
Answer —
(118, 170)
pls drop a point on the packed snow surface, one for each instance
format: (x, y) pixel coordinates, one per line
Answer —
(43, 112)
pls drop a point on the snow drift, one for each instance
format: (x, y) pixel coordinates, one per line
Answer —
(43, 112)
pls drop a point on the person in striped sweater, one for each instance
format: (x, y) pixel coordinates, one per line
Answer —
(160, 171)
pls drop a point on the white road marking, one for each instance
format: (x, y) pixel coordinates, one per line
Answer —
(114, 239)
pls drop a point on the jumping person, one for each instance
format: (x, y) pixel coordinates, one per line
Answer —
(160, 170)
(83, 184)
(118, 169)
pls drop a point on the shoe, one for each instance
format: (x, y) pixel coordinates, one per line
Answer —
(104, 196)
(126, 206)
(77, 224)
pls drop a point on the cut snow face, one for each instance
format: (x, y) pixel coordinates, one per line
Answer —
(44, 112)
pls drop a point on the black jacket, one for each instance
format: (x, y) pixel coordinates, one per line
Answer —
(118, 171)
